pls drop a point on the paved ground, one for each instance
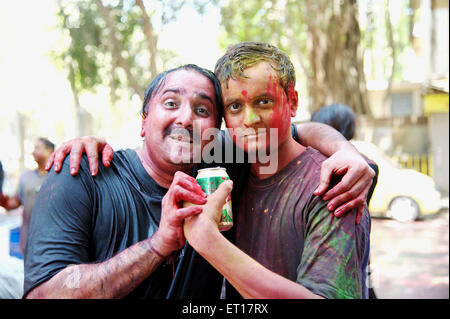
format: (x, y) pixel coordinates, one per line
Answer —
(411, 260)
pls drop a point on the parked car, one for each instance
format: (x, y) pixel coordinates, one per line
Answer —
(402, 194)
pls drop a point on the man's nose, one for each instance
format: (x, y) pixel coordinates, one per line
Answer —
(185, 116)
(251, 117)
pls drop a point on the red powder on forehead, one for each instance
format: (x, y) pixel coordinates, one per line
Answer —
(272, 88)
(280, 117)
(268, 84)
(244, 93)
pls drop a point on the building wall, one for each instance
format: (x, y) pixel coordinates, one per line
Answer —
(439, 137)
(395, 136)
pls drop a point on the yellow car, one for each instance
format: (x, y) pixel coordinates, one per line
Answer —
(402, 194)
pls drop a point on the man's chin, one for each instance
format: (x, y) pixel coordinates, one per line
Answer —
(255, 150)
(184, 156)
(181, 159)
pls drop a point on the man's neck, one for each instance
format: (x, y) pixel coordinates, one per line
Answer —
(162, 176)
(287, 151)
(41, 169)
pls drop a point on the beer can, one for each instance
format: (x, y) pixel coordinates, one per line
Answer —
(210, 179)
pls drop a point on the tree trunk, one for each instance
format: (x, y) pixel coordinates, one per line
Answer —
(83, 125)
(433, 40)
(391, 41)
(117, 50)
(151, 38)
(337, 73)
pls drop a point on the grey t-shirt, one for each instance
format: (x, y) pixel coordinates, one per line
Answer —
(29, 185)
(286, 228)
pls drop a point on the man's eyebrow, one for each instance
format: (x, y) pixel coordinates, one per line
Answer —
(260, 96)
(175, 90)
(233, 100)
(265, 95)
(206, 96)
(180, 91)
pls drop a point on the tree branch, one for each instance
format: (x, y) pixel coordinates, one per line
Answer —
(117, 50)
(152, 39)
(390, 35)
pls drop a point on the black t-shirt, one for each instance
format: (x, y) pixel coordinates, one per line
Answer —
(374, 166)
(83, 219)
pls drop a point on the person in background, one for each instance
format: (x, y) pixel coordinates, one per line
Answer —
(343, 119)
(29, 184)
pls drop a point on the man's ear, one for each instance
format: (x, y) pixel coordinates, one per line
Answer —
(144, 117)
(292, 95)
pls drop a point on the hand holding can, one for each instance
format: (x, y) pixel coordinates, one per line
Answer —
(209, 179)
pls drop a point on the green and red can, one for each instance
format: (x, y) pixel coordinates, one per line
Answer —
(210, 179)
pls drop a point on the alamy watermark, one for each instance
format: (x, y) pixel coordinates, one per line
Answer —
(196, 146)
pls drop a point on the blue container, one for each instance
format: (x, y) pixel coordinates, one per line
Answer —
(14, 238)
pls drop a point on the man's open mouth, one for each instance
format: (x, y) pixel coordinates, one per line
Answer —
(181, 138)
(252, 133)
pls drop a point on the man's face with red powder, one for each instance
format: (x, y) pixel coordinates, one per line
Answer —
(256, 103)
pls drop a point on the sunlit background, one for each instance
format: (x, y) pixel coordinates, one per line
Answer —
(36, 97)
(400, 61)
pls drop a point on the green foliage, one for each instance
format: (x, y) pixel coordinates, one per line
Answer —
(257, 20)
(171, 8)
(375, 36)
(80, 56)
(280, 23)
(92, 57)
(320, 36)
(110, 45)
(95, 48)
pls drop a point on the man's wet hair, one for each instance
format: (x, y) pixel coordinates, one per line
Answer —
(339, 116)
(156, 84)
(243, 55)
(49, 145)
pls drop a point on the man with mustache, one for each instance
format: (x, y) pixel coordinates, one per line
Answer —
(120, 234)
